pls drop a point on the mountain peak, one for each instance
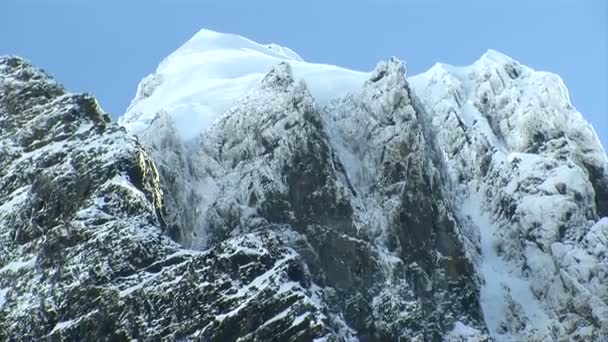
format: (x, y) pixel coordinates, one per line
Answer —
(495, 56)
(279, 77)
(211, 71)
(393, 69)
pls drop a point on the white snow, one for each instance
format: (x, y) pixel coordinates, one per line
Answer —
(499, 280)
(253, 245)
(15, 266)
(278, 316)
(206, 75)
(534, 102)
(462, 332)
(299, 319)
(67, 324)
(3, 293)
(16, 198)
(63, 325)
(499, 108)
(262, 281)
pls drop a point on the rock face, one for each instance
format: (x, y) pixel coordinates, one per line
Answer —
(83, 251)
(383, 248)
(462, 204)
(533, 178)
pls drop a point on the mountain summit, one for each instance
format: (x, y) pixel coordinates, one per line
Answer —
(248, 195)
(210, 72)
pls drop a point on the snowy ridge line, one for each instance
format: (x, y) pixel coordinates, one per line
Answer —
(521, 158)
(210, 72)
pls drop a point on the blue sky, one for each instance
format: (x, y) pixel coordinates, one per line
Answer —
(106, 47)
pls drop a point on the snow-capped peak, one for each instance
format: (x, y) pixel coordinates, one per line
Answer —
(208, 40)
(496, 57)
(206, 75)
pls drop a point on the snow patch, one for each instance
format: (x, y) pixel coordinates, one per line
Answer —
(16, 198)
(17, 265)
(64, 325)
(500, 282)
(3, 297)
(462, 332)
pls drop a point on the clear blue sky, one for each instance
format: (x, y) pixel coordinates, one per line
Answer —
(106, 47)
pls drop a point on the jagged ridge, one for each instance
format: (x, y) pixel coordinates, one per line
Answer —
(83, 254)
(456, 204)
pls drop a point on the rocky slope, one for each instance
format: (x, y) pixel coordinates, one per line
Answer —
(462, 204)
(83, 251)
(533, 178)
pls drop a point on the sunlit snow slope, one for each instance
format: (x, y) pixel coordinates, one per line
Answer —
(206, 75)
